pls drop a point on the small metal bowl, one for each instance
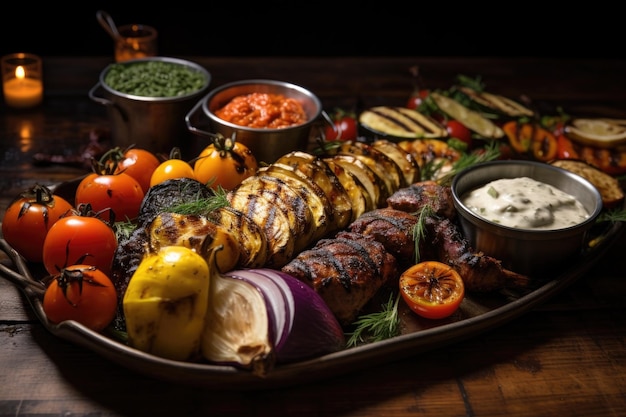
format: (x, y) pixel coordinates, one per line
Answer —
(528, 251)
(267, 144)
(153, 123)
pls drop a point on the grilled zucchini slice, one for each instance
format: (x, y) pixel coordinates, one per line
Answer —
(195, 232)
(372, 182)
(405, 160)
(360, 197)
(311, 193)
(474, 121)
(315, 168)
(501, 104)
(384, 167)
(253, 246)
(400, 122)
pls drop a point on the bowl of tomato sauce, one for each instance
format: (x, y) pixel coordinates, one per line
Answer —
(270, 117)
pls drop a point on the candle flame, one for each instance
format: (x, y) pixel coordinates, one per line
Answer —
(19, 72)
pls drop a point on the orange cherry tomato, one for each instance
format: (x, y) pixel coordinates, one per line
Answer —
(81, 293)
(139, 164)
(224, 163)
(172, 168)
(79, 239)
(29, 217)
(432, 289)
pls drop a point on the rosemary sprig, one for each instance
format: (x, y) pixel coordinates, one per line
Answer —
(419, 229)
(489, 153)
(377, 326)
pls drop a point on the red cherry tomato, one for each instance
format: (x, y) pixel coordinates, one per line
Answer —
(344, 127)
(29, 217)
(458, 130)
(79, 239)
(565, 148)
(139, 164)
(416, 99)
(120, 194)
(81, 293)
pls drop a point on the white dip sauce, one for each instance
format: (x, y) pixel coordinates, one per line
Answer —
(525, 203)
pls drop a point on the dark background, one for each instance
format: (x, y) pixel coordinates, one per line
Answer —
(280, 28)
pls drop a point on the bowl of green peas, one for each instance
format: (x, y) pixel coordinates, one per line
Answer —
(147, 100)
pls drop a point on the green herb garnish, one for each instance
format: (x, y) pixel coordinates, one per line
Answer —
(374, 327)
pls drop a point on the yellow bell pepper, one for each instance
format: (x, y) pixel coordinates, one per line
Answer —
(166, 302)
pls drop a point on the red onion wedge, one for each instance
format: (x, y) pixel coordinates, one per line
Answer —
(261, 317)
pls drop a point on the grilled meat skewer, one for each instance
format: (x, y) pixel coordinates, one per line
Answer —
(347, 271)
(480, 272)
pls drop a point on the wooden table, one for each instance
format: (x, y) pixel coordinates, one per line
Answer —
(566, 357)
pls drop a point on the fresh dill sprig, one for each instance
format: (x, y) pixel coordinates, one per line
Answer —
(123, 230)
(613, 216)
(202, 206)
(377, 326)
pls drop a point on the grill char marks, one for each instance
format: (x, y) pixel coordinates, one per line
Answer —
(421, 194)
(393, 228)
(280, 211)
(347, 271)
(480, 272)
(402, 122)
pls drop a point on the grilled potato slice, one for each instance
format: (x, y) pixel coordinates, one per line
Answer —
(405, 160)
(253, 245)
(360, 197)
(316, 169)
(373, 183)
(321, 210)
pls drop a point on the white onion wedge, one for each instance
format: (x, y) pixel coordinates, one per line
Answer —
(258, 318)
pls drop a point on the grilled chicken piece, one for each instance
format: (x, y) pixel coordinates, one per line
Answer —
(372, 182)
(313, 167)
(359, 196)
(421, 194)
(405, 161)
(480, 272)
(393, 228)
(346, 271)
(253, 245)
(321, 210)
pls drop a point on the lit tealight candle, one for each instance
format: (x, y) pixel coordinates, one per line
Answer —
(22, 89)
